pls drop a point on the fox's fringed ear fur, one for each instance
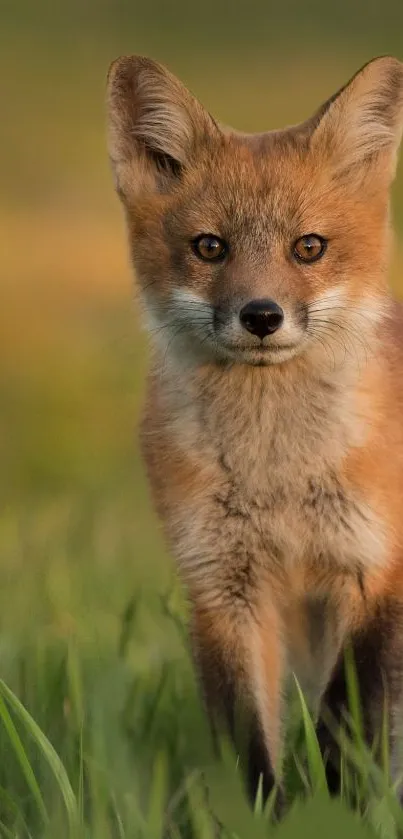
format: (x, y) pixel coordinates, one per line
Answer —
(364, 121)
(156, 126)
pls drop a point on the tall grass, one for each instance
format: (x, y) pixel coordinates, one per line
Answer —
(127, 753)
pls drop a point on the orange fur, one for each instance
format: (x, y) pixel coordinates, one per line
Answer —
(276, 463)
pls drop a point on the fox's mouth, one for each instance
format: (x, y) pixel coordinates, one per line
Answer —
(265, 354)
(267, 348)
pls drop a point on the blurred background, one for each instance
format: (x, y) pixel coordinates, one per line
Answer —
(80, 549)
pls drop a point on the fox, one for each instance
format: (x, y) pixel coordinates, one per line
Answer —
(272, 429)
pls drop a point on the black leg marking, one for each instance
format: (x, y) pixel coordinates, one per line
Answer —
(228, 715)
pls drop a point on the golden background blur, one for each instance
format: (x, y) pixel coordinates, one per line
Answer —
(76, 526)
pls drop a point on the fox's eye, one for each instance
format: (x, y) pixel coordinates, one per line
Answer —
(309, 248)
(209, 247)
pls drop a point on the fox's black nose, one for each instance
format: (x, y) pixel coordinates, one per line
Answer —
(261, 317)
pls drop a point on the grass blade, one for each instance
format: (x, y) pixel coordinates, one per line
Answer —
(157, 797)
(48, 752)
(258, 807)
(354, 699)
(23, 760)
(314, 757)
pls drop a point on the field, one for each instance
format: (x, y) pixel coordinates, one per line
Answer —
(110, 739)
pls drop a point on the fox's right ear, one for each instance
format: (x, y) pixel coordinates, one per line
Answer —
(362, 124)
(155, 125)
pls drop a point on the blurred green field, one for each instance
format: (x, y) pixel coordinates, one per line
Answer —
(93, 638)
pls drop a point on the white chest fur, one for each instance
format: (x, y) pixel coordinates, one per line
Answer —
(276, 447)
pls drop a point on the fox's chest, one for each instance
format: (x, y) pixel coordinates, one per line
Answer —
(275, 496)
(278, 498)
(300, 514)
(281, 484)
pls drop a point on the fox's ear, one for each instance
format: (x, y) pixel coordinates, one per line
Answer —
(155, 125)
(364, 121)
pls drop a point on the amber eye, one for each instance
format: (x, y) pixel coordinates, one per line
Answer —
(209, 247)
(309, 248)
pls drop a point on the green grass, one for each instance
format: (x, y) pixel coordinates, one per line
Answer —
(126, 754)
(102, 733)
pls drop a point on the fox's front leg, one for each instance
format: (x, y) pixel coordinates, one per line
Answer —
(236, 633)
(239, 660)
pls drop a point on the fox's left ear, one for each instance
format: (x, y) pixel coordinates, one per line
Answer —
(156, 126)
(363, 122)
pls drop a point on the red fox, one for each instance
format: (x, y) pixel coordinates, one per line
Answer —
(273, 424)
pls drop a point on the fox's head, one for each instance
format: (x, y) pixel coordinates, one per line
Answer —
(256, 248)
